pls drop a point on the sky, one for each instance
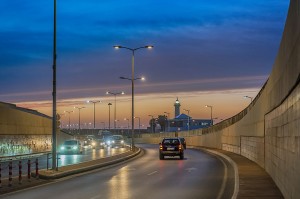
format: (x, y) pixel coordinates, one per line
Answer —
(205, 53)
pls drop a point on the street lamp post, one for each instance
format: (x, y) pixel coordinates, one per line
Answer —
(151, 122)
(115, 112)
(79, 108)
(188, 119)
(139, 124)
(211, 118)
(109, 104)
(54, 141)
(69, 117)
(168, 114)
(94, 102)
(132, 86)
(103, 125)
(248, 97)
(116, 124)
(127, 125)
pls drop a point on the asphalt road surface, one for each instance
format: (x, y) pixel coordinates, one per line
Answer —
(198, 175)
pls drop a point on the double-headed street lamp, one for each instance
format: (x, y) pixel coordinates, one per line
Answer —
(126, 119)
(94, 102)
(139, 124)
(115, 113)
(211, 118)
(248, 97)
(79, 108)
(132, 86)
(188, 119)
(69, 116)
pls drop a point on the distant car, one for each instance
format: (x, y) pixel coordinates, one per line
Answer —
(101, 143)
(117, 141)
(182, 140)
(71, 146)
(171, 147)
(89, 143)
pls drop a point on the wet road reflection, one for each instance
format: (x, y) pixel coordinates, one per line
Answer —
(64, 159)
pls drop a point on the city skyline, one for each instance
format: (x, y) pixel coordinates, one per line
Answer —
(204, 53)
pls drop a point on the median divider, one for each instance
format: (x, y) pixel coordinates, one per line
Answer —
(87, 166)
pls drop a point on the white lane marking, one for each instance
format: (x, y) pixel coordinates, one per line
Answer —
(96, 197)
(191, 169)
(224, 180)
(149, 174)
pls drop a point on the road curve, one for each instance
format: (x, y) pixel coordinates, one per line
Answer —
(199, 175)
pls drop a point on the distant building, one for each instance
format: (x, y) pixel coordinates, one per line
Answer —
(177, 107)
(183, 122)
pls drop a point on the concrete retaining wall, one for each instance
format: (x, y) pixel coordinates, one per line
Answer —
(24, 131)
(268, 130)
(15, 120)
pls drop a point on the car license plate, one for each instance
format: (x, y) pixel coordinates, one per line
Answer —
(170, 149)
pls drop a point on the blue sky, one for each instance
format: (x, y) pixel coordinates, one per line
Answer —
(200, 45)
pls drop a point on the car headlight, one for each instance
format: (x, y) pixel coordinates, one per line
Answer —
(122, 141)
(93, 143)
(75, 147)
(108, 142)
(62, 148)
(113, 141)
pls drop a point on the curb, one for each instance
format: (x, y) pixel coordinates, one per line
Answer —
(62, 174)
(235, 168)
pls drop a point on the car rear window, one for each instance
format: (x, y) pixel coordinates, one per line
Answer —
(117, 137)
(171, 141)
(70, 142)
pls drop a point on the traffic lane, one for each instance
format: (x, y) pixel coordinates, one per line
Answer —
(64, 160)
(199, 175)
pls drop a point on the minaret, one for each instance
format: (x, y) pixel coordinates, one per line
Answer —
(177, 107)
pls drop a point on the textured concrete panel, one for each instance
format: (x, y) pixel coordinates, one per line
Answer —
(282, 145)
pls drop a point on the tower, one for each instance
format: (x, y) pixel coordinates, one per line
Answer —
(177, 107)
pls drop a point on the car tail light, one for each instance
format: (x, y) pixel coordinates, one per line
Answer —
(160, 147)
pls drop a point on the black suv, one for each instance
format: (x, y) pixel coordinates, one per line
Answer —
(182, 140)
(171, 147)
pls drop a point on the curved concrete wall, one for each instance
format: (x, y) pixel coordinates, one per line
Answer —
(15, 120)
(24, 131)
(268, 130)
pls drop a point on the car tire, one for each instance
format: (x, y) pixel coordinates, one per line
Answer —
(161, 157)
(181, 156)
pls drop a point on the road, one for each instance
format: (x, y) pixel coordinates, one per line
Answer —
(199, 175)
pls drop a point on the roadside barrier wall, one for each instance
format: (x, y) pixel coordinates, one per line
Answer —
(25, 131)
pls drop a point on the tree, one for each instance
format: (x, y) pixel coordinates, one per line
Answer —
(162, 121)
(152, 124)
